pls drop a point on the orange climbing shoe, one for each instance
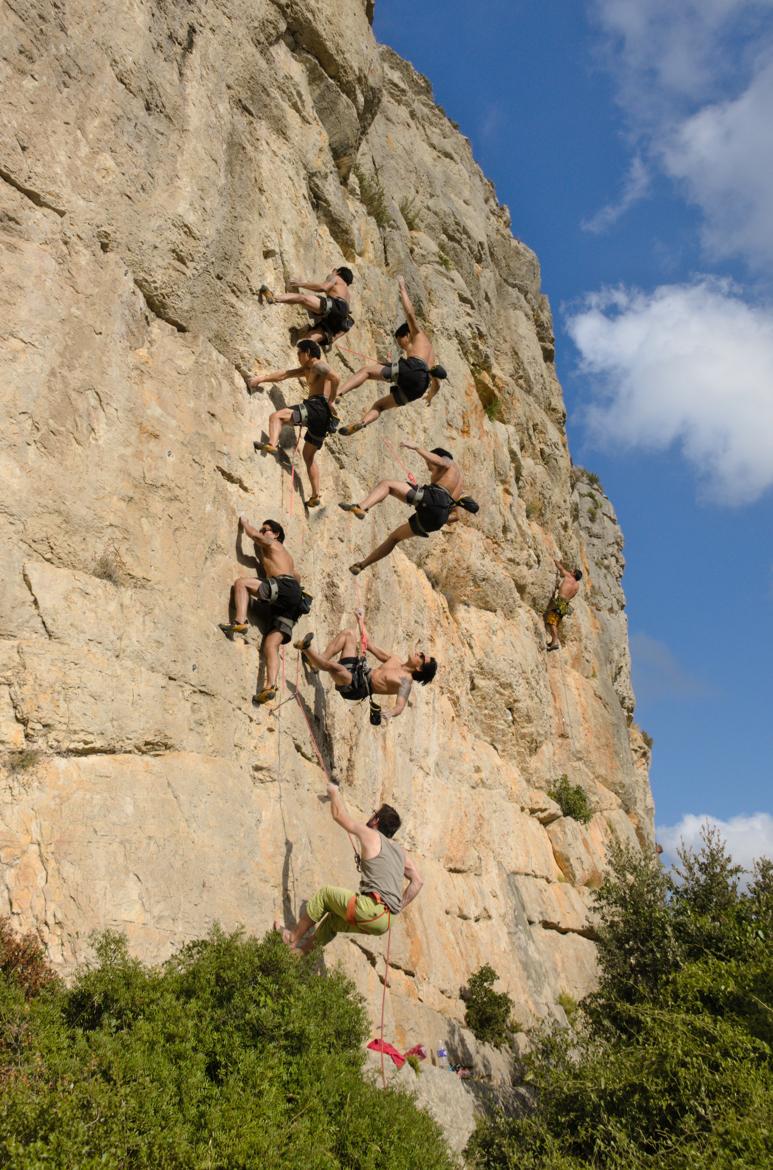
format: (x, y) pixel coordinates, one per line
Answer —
(267, 448)
(313, 501)
(355, 510)
(231, 628)
(356, 569)
(265, 295)
(351, 429)
(304, 643)
(264, 696)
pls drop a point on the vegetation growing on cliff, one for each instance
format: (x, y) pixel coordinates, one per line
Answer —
(668, 1064)
(488, 1013)
(233, 1054)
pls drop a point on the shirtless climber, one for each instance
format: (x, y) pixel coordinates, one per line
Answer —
(355, 680)
(280, 589)
(435, 502)
(410, 377)
(327, 301)
(316, 411)
(567, 587)
(383, 868)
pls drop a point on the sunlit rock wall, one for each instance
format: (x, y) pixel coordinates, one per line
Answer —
(159, 162)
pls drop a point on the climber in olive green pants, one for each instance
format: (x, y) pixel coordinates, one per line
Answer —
(383, 866)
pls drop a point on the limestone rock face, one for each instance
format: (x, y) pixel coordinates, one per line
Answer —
(159, 162)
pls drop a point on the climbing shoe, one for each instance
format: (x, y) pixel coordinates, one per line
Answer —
(313, 502)
(264, 696)
(268, 448)
(304, 643)
(265, 295)
(351, 429)
(553, 646)
(231, 628)
(356, 569)
(355, 510)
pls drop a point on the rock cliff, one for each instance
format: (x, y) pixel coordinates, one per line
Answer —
(159, 161)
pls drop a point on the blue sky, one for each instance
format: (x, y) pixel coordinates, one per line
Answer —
(632, 141)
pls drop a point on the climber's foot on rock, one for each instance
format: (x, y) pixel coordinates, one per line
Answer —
(355, 510)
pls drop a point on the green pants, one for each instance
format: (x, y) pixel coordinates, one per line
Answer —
(329, 907)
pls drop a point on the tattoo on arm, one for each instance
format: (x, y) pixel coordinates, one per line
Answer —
(404, 689)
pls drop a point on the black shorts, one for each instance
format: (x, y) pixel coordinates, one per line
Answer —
(433, 507)
(285, 597)
(358, 688)
(333, 317)
(410, 378)
(316, 413)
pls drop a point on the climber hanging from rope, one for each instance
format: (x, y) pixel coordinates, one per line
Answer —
(327, 301)
(435, 502)
(383, 867)
(280, 589)
(355, 680)
(411, 377)
(567, 586)
(316, 411)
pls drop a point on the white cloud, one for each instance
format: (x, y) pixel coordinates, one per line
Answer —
(635, 187)
(695, 81)
(746, 837)
(657, 673)
(687, 364)
(724, 157)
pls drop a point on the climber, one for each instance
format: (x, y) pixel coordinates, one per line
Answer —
(316, 411)
(383, 866)
(410, 377)
(567, 587)
(328, 304)
(280, 589)
(435, 502)
(355, 680)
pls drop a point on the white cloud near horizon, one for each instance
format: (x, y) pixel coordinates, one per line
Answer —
(688, 365)
(695, 83)
(746, 837)
(635, 187)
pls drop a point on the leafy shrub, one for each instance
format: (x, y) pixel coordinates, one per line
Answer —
(23, 961)
(445, 260)
(571, 799)
(493, 410)
(488, 1013)
(668, 1065)
(648, 740)
(233, 1055)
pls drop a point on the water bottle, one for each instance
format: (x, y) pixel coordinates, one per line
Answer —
(442, 1058)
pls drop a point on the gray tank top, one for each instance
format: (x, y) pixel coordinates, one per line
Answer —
(385, 874)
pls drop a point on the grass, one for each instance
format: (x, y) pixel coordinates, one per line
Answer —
(23, 759)
(373, 197)
(409, 212)
(445, 260)
(649, 741)
(569, 1004)
(493, 410)
(108, 568)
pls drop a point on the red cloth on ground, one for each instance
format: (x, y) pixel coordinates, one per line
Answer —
(389, 1049)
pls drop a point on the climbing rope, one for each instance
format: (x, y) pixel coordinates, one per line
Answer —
(393, 452)
(383, 998)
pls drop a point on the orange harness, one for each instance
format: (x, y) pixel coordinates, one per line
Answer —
(351, 910)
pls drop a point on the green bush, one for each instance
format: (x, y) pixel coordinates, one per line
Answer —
(668, 1064)
(488, 1013)
(233, 1055)
(373, 197)
(571, 799)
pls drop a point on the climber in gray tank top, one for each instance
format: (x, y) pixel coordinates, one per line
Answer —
(384, 867)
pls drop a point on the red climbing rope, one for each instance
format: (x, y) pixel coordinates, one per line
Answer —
(393, 452)
(383, 997)
(357, 353)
